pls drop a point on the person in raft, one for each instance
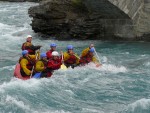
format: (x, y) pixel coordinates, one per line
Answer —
(54, 63)
(26, 63)
(87, 56)
(71, 59)
(52, 48)
(29, 46)
(85, 51)
(40, 66)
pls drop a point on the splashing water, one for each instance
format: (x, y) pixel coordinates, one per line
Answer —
(121, 85)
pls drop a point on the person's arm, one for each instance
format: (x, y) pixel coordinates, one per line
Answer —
(39, 67)
(78, 58)
(32, 57)
(66, 56)
(34, 47)
(85, 51)
(23, 64)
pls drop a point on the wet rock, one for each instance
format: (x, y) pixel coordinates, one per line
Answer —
(81, 19)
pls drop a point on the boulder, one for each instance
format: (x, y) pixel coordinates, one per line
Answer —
(76, 19)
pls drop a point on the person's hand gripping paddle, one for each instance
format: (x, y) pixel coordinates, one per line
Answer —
(63, 67)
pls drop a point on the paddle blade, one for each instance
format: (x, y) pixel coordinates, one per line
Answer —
(63, 67)
(37, 75)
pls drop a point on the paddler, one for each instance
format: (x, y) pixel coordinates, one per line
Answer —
(87, 56)
(54, 63)
(52, 48)
(40, 66)
(29, 46)
(71, 59)
(27, 62)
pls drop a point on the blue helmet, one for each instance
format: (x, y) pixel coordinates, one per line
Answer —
(24, 52)
(53, 45)
(69, 47)
(43, 55)
(92, 50)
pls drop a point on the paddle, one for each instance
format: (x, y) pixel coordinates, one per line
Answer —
(63, 65)
(37, 75)
(97, 58)
(34, 66)
(76, 56)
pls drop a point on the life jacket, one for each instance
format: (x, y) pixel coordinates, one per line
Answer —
(44, 62)
(86, 59)
(71, 60)
(29, 66)
(54, 64)
(49, 54)
(26, 46)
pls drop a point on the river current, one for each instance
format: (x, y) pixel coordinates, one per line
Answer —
(121, 85)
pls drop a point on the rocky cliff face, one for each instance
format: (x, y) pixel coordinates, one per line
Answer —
(80, 19)
(58, 18)
(139, 12)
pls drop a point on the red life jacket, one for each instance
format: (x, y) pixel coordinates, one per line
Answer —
(54, 64)
(71, 60)
(24, 47)
(86, 59)
(49, 54)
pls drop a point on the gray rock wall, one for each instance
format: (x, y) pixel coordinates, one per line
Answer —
(143, 21)
(130, 7)
(114, 21)
(138, 11)
(101, 19)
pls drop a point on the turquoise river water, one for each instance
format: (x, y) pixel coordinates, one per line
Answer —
(121, 85)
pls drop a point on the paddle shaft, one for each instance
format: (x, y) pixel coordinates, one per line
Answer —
(97, 55)
(33, 66)
(62, 57)
(62, 65)
(76, 56)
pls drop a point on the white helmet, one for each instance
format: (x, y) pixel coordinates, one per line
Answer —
(55, 53)
(29, 36)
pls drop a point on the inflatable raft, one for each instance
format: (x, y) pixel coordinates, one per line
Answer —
(17, 73)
